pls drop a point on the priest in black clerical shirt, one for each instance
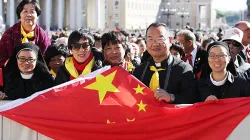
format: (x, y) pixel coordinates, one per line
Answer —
(171, 79)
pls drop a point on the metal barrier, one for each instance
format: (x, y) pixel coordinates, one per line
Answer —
(11, 130)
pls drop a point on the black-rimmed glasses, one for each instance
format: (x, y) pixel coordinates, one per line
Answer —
(22, 59)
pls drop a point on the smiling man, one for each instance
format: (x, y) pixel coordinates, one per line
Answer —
(171, 79)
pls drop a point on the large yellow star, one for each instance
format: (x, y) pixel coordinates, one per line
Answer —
(139, 89)
(142, 106)
(103, 84)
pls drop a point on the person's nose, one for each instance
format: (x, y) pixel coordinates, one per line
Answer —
(114, 51)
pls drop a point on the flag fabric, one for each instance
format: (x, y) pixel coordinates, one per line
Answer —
(1, 77)
(115, 105)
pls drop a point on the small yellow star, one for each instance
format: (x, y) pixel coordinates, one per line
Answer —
(128, 120)
(103, 84)
(139, 89)
(108, 122)
(142, 106)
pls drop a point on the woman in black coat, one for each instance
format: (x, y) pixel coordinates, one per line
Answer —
(219, 78)
(84, 59)
(25, 73)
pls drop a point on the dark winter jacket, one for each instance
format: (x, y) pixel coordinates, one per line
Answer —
(181, 83)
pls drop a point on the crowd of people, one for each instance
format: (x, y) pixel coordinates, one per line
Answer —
(183, 68)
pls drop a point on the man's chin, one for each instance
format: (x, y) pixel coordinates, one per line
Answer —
(157, 55)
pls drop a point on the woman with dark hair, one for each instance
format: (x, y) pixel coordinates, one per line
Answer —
(25, 72)
(26, 30)
(55, 57)
(219, 78)
(206, 42)
(114, 48)
(97, 38)
(177, 51)
(142, 46)
(84, 59)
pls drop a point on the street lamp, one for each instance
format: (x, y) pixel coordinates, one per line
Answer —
(183, 14)
(168, 12)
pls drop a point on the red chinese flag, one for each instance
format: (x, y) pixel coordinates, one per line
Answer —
(1, 77)
(115, 105)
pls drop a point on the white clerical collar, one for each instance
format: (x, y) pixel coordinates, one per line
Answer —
(158, 64)
(218, 83)
(26, 76)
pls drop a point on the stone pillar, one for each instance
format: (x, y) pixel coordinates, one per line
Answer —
(10, 13)
(84, 13)
(38, 20)
(97, 14)
(78, 14)
(1, 8)
(60, 13)
(72, 14)
(67, 13)
(48, 14)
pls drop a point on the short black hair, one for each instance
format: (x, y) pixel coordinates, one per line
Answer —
(97, 36)
(178, 48)
(20, 6)
(76, 35)
(55, 50)
(124, 32)
(206, 41)
(113, 38)
(157, 24)
(128, 50)
(198, 36)
(139, 40)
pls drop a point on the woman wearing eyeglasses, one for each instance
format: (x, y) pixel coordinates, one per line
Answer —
(219, 77)
(84, 59)
(25, 73)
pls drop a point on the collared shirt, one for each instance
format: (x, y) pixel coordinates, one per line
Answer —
(193, 53)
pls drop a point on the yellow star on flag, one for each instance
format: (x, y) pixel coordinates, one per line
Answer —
(103, 84)
(139, 89)
(108, 122)
(142, 106)
(128, 120)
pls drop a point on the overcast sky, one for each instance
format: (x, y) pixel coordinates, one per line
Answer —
(230, 5)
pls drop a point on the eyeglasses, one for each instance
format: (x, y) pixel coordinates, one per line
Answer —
(234, 43)
(77, 46)
(159, 40)
(213, 56)
(29, 60)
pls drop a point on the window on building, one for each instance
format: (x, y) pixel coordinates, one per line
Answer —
(116, 15)
(188, 23)
(116, 5)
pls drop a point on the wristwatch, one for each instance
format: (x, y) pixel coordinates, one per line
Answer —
(172, 98)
